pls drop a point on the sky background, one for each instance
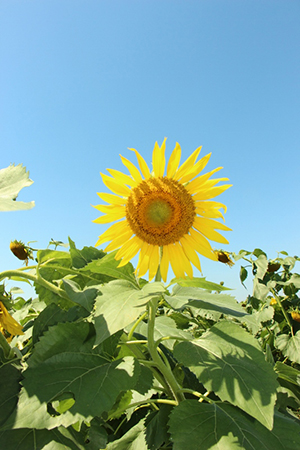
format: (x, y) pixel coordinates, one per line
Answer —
(81, 81)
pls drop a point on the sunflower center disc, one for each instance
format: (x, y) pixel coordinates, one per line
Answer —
(160, 211)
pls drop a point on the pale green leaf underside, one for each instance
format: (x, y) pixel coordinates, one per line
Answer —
(12, 180)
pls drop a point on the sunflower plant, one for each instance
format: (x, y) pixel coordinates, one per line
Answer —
(117, 357)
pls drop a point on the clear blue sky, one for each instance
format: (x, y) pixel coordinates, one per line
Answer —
(83, 80)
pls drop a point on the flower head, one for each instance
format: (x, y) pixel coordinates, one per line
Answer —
(21, 251)
(8, 323)
(172, 211)
(224, 257)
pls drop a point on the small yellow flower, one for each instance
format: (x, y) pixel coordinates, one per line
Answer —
(21, 251)
(8, 323)
(172, 212)
(273, 302)
(224, 258)
(295, 313)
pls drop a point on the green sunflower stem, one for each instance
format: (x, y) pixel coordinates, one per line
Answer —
(36, 279)
(165, 371)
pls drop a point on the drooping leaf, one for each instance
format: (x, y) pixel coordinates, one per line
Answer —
(109, 266)
(94, 382)
(120, 304)
(229, 361)
(195, 426)
(12, 180)
(156, 427)
(203, 302)
(200, 283)
(289, 345)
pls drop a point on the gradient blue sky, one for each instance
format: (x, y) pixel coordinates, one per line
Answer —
(82, 80)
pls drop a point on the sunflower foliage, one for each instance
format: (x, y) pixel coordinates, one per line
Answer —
(110, 361)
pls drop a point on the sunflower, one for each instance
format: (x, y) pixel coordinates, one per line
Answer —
(167, 219)
(8, 323)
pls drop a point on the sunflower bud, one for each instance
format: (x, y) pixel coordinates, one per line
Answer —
(223, 257)
(21, 251)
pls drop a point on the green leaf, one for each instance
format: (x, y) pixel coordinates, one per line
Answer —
(164, 327)
(253, 321)
(10, 377)
(52, 315)
(31, 439)
(80, 258)
(60, 338)
(261, 264)
(85, 297)
(287, 373)
(243, 275)
(156, 427)
(289, 345)
(108, 265)
(33, 413)
(203, 302)
(134, 439)
(195, 426)
(12, 180)
(120, 304)
(200, 283)
(94, 382)
(229, 361)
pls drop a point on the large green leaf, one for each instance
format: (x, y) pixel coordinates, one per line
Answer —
(31, 439)
(120, 304)
(93, 382)
(195, 426)
(63, 337)
(12, 180)
(230, 362)
(10, 377)
(290, 346)
(52, 315)
(204, 303)
(33, 413)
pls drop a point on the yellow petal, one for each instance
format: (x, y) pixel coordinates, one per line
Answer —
(187, 164)
(134, 171)
(143, 263)
(108, 218)
(153, 262)
(129, 249)
(206, 194)
(175, 262)
(199, 243)
(158, 159)
(142, 164)
(113, 231)
(190, 252)
(110, 198)
(185, 263)
(115, 187)
(210, 233)
(200, 183)
(111, 209)
(174, 161)
(122, 178)
(201, 223)
(119, 240)
(196, 169)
